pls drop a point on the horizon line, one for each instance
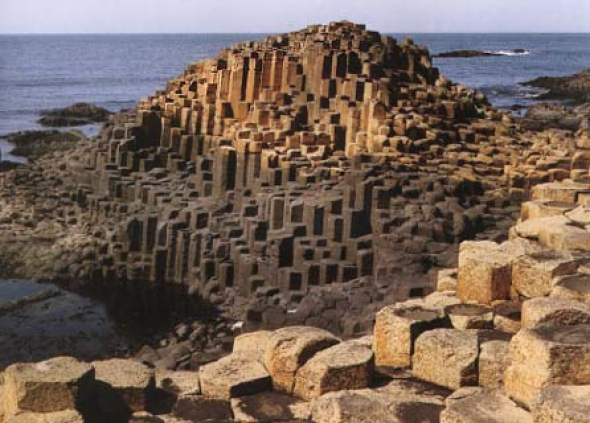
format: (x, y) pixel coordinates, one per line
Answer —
(287, 32)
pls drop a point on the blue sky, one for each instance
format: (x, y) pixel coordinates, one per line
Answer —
(172, 16)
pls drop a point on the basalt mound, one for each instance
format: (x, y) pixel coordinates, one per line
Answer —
(303, 179)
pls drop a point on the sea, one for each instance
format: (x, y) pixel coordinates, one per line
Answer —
(40, 72)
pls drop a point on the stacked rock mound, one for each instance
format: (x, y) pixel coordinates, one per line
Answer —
(329, 159)
(506, 339)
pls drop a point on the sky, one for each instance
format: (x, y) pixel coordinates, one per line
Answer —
(275, 16)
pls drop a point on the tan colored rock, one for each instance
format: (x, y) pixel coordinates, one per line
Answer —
(178, 382)
(559, 191)
(540, 209)
(532, 228)
(254, 342)
(396, 330)
(401, 401)
(532, 275)
(345, 366)
(289, 349)
(446, 280)
(470, 316)
(130, 380)
(484, 272)
(543, 356)
(236, 375)
(563, 404)
(554, 311)
(565, 238)
(507, 316)
(574, 287)
(493, 361)
(66, 416)
(446, 357)
(270, 407)
(200, 409)
(485, 406)
(580, 215)
(49, 386)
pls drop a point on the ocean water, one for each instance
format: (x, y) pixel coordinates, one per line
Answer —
(40, 72)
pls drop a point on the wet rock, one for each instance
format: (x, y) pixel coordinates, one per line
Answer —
(575, 87)
(75, 115)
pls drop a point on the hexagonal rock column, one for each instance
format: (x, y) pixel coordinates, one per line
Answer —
(446, 357)
(234, 376)
(67, 416)
(59, 384)
(563, 404)
(396, 330)
(348, 365)
(532, 275)
(484, 406)
(470, 316)
(547, 355)
(484, 272)
(270, 407)
(493, 361)
(254, 343)
(125, 383)
(575, 287)
(554, 311)
(290, 348)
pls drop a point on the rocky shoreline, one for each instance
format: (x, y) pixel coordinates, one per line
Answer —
(359, 214)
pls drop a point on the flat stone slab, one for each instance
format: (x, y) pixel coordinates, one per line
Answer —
(54, 385)
(178, 382)
(126, 380)
(270, 407)
(563, 404)
(543, 356)
(446, 357)
(554, 311)
(484, 406)
(236, 375)
(290, 348)
(470, 316)
(67, 416)
(345, 366)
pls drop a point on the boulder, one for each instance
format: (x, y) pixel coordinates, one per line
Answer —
(446, 357)
(574, 287)
(58, 384)
(396, 330)
(484, 272)
(125, 384)
(470, 316)
(543, 356)
(532, 274)
(234, 376)
(554, 311)
(345, 366)
(270, 407)
(66, 416)
(493, 361)
(484, 406)
(178, 382)
(290, 348)
(563, 404)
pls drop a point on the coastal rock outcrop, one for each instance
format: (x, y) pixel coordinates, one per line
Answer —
(575, 87)
(75, 115)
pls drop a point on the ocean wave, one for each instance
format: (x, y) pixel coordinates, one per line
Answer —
(515, 52)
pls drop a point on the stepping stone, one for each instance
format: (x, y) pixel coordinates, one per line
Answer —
(554, 311)
(470, 316)
(345, 366)
(543, 356)
(270, 407)
(396, 330)
(533, 274)
(575, 287)
(125, 382)
(484, 406)
(290, 348)
(563, 404)
(49, 386)
(67, 416)
(446, 357)
(234, 376)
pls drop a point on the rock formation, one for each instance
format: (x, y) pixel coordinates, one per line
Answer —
(305, 182)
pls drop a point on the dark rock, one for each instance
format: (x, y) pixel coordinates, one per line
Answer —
(76, 115)
(575, 87)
